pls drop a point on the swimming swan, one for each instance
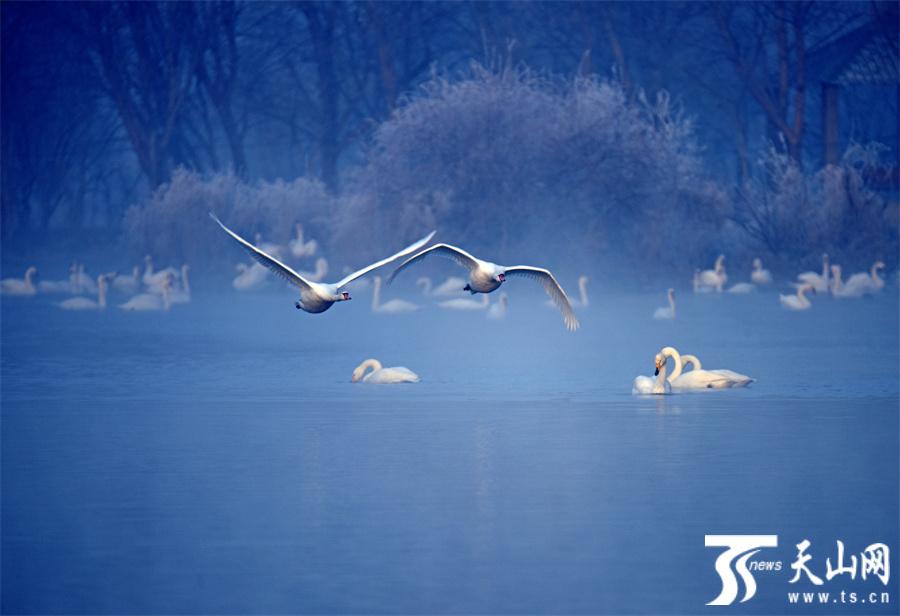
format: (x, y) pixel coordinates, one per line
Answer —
(454, 285)
(698, 378)
(128, 284)
(742, 288)
(394, 306)
(485, 277)
(319, 274)
(821, 283)
(863, 283)
(498, 310)
(659, 385)
(300, 248)
(25, 286)
(798, 301)
(83, 303)
(397, 374)
(316, 297)
(759, 275)
(464, 303)
(150, 302)
(714, 278)
(667, 312)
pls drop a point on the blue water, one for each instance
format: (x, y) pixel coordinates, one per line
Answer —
(217, 459)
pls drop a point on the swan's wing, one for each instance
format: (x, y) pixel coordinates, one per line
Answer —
(411, 248)
(444, 250)
(267, 260)
(552, 288)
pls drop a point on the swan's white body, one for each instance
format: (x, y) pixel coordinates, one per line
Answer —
(498, 309)
(153, 278)
(742, 288)
(485, 277)
(397, 374)
(657, 385)
(863, 283)
(128, 284)
(300, 248)
(394, 306)
(454, 285)
(714, 278)
(316, 297)
(759, 275)
(464, 303)
(820, 282)
(798, 301)
(667, 312)
(83, 303)
(698, 378)
(320, 273)
(15, 286)
(250, 277)
(149, 302)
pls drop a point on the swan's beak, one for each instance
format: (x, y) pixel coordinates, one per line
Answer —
(346, 296)
(656, 372)
(501, 277)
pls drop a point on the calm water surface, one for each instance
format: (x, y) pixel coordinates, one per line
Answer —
(217, 459)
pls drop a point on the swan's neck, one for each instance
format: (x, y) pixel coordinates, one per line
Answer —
(374, 364)
(693, 360)
(185, 283)
(321, 268)
(29, 274)
(676, 357)
(661, 378)
(376, 293)
(826, 271)
(101, 291)
(582, 291)
(875, 277)
(672, 302)
(425, 283)
(801, 294)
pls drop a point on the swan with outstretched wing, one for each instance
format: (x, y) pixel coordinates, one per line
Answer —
(316, 297)
(485, 276)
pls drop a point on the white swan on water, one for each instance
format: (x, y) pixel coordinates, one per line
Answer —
(300, 248)
(798, 301)
(742, 288)
(498, 309)
(249, 276)
(863, 283)
(759, 275)
(83, 303)
(485, 277)
(658, 385)
(698, 378)
(667, 312)
(714, 278)
(151, 302)
(820, 282)
(454, 285)
(320, 273)
(128, 284)
(394, 306)
(315, 297)
(397, 374)
(465, 303)
(15, 286)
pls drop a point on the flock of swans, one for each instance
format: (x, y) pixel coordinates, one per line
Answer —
(157, 290)
(150, 291)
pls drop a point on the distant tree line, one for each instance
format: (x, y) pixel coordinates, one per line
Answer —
(102, 102)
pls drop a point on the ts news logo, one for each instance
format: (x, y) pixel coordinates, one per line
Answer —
(742, 548)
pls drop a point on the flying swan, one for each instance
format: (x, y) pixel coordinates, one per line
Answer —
(315, 297)
(485, 277)
(397, 374)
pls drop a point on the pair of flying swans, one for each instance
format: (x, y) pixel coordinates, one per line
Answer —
(484, 276)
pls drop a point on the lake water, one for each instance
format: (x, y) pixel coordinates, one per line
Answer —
(217, 459)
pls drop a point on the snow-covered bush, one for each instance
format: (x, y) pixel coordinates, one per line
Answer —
(502, 161)
(174, 224)
(796, 216)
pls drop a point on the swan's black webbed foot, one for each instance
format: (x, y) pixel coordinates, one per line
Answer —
(297, 305)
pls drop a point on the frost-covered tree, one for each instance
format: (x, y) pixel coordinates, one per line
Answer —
(502, 160)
